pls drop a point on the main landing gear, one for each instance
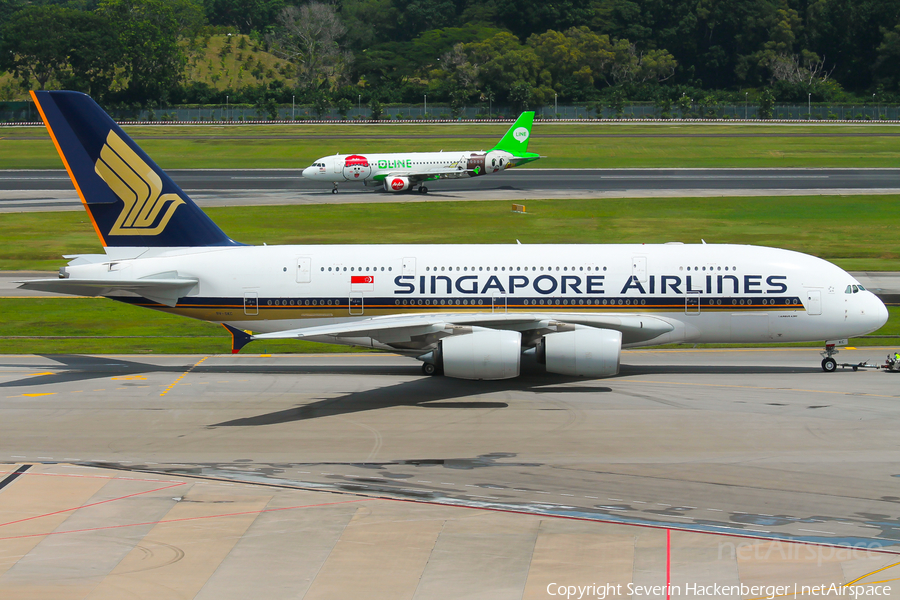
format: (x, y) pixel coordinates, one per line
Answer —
(428, 369)
(334, 189)
(423, 189)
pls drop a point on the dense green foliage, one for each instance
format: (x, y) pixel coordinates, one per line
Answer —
(527, 53)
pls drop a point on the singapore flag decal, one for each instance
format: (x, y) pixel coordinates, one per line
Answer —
(362, 283)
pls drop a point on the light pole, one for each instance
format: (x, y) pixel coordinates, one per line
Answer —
(227, 110)
(292, 108)
(555, 106)
(746, 100)
(425, 110)
(359, 105)
(875, 107)
(809, 107)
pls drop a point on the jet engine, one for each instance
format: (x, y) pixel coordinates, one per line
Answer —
(581, 352)
(485, 354)
(396, 184)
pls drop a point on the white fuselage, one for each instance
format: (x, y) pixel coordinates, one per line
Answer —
(369, 168)
(709, 293)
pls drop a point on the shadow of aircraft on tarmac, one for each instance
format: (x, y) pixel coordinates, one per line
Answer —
(425, 392)
(77, 367)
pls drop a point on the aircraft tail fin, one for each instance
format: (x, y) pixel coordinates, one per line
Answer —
(516, 139)
(130, 200)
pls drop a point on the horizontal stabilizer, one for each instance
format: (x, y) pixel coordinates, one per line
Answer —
(239, 338)
(163, 290)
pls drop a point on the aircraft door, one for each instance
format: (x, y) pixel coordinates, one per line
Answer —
(639, 268)
(356, 304)
(814, 302)
(304, 266)
(692, 303)
(251, 303)
(498, 303)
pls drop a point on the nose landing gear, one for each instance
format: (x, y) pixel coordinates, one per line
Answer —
(334, 189)
(829, 365)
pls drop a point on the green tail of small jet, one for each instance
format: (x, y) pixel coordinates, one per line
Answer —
(516, 140)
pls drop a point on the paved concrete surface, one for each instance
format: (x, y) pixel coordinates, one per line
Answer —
(26, 191)
(74, 532)
(353, 475)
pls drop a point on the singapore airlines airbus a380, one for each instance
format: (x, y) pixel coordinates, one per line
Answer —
(463, 310)
(401, 172)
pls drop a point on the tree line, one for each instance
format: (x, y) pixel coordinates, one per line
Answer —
(525, 54)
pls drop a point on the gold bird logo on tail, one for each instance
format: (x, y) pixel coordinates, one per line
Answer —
(138, 186)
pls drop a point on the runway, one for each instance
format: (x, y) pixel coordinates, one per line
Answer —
(438, 488)
(22, 191)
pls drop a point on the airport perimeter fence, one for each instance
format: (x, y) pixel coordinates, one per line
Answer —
(24, 112)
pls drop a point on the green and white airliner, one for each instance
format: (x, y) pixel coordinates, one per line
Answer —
(403, 171)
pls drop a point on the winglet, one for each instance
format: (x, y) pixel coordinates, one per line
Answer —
(239, 338)
(516, 139)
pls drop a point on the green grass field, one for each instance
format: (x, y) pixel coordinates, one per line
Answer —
(102, 326)
(857, 232)
(259, 147)
(98, 325)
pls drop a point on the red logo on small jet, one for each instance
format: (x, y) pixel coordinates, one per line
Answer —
(397, 184)
(355, 160)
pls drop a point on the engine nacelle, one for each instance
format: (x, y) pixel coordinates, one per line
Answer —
(396, 184)
(582, 352)
(489, 354)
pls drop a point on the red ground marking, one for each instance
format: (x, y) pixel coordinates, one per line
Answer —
(57, 512)
(668, 561)
(235, 514)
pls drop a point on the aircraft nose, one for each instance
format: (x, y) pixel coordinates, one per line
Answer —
(307, 172)
(873, 314)
(880, 312)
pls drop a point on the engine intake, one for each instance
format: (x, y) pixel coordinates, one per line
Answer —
(582, 352)
(489, 354)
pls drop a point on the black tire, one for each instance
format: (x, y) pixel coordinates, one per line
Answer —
(334, 191)
(428, 369)
(423, 190)
(829, 365)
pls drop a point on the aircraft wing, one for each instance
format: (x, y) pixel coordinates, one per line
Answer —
(416, 176)
(166, 288)
(412, 331)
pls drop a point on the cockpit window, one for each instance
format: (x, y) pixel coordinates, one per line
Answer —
(855, 289)
(849, 289)
(861, 288)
